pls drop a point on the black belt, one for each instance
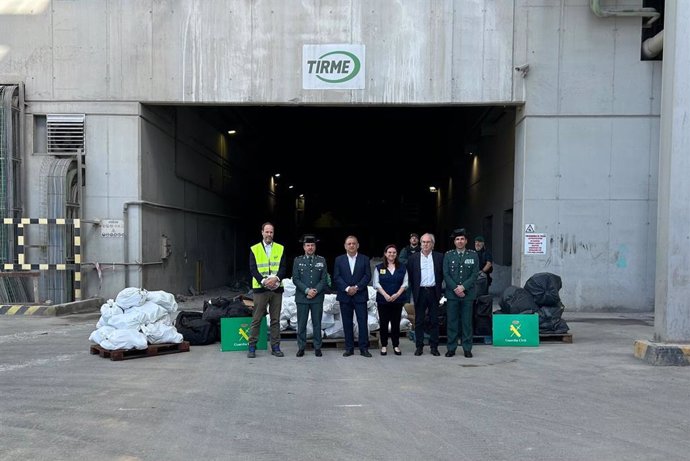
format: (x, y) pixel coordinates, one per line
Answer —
(427, 288)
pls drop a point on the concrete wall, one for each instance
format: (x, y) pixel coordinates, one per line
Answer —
(112, 157)
(587, 154)
(250, 51)
(182, 168)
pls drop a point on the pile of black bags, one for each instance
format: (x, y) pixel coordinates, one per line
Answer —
(540, 295)
(200, 328)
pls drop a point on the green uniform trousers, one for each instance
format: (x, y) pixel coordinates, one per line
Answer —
(459, 322)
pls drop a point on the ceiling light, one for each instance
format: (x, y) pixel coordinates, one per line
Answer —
(277, 175)
(433, 189)
(231, 132)
(291, 186)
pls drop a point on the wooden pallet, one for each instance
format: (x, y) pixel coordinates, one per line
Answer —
(334, 343)
(556, 337)
(152, 350)
(442, 339)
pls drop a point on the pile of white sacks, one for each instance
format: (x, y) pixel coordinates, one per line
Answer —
(331, 322)
(135, 319)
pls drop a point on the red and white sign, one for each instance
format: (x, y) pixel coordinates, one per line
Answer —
(535, 244)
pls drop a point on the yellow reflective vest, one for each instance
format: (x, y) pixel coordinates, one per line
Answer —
(263, 264)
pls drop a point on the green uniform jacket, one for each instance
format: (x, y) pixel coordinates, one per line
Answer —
(463, 271)
(307, 275)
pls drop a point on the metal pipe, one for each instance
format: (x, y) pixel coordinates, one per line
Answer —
(124, 264)
(650, 13)
(177, 208)
(653, 45)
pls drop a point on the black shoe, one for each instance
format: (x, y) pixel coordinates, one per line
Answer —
(365, 354)
(252, 352)
(397, 351)
(318, 353)
(275, 351)
(468, 354)
(450, 353)
(348, 353)
(419, 351)
(300, 353)
(435, 352)
(384, 350)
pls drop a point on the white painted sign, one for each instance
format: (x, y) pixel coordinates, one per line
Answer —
(535, 244)
(333, 67)
(529, 229)
(112, 228)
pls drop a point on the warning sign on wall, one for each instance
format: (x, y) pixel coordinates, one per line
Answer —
(535, 244)
(112, 228)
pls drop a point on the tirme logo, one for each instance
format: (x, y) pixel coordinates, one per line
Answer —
(335, 67)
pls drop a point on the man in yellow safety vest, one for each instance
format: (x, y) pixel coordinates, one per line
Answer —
(268, 267)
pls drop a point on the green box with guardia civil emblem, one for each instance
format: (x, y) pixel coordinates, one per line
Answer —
(516, 330)
(234, 334)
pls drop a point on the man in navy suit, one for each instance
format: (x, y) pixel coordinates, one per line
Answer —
(351, 275)
(425, 275)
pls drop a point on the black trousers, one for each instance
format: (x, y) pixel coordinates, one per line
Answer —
(389, 313)
(426, 310)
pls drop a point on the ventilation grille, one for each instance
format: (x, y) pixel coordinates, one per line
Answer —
(65, 133)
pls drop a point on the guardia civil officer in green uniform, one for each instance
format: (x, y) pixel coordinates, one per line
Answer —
(309, 277)
(460, 271)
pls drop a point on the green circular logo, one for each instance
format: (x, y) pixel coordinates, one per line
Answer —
(340, 62)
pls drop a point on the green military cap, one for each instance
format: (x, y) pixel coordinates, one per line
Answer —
(308, 238)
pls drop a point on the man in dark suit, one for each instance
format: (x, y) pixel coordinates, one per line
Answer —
(425, 275)
(351, 275)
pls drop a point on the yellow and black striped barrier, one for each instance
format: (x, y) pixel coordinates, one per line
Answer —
(12, 309)
(21, 257)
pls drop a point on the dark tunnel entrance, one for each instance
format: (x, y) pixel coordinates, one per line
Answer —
(365, 171)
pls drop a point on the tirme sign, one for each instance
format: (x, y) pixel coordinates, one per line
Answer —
(337, 67)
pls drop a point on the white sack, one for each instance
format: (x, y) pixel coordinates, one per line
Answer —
(100, 335)
(153, 312)
(158, 333)
(130, 297)
(163, 299)
(372, 293)
(330, 305)
(108, 310)
(288, 287)
(130, 320)
(373, 322)
(335, 331)
(288, 308)
(124, 339)
(327, 320)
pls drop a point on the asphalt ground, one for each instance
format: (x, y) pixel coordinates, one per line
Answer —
(589, 400)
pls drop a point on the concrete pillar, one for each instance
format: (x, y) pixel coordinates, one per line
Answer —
(671, 345)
